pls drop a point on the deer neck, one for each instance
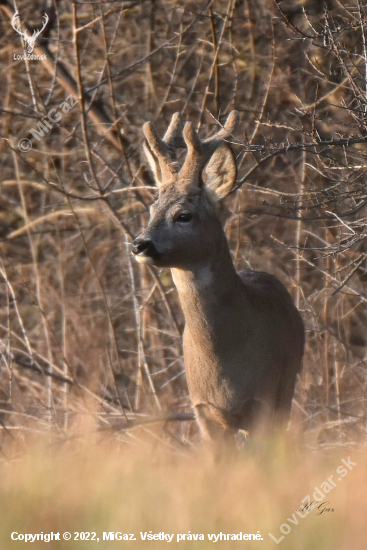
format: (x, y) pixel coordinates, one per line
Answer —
(206, 288)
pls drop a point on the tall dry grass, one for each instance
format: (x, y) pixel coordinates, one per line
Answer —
(95, 484)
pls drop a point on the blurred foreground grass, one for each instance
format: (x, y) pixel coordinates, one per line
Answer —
(97, 484)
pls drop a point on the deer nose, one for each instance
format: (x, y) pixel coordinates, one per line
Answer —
(139, 246)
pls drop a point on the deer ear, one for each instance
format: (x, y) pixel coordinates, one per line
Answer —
(153, 163)
(221, 172)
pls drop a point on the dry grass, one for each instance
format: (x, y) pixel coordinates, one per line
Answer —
(96, 484)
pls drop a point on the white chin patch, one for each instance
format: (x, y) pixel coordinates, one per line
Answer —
(144, 259)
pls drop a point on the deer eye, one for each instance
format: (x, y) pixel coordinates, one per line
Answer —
(184, 217)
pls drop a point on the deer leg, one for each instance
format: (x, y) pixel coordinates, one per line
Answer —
(212, 426)
(283, 403)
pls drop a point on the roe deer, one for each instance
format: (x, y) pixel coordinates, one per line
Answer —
(244, 337)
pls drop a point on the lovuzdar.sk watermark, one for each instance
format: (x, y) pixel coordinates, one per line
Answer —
(30, 40)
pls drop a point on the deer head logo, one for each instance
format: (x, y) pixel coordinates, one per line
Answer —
(30, 40)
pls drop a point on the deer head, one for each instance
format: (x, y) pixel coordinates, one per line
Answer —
(30, 40)
(183, 222)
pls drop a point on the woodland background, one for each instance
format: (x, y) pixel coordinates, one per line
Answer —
(86, 332)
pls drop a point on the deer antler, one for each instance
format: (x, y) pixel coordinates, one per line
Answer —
(199, 152)
(38, 32)
(163, 151)
(15, 22)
